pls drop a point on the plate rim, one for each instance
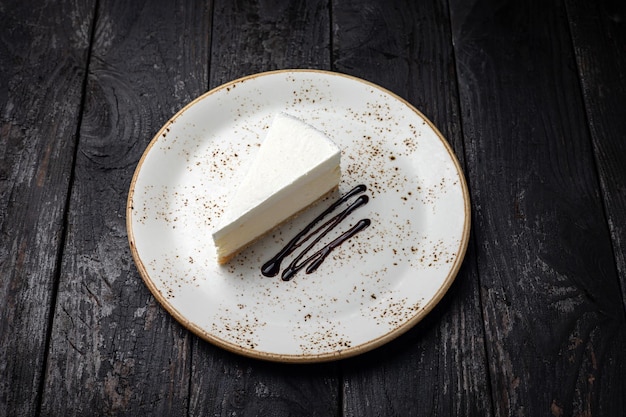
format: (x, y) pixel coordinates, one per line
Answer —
(308, 357)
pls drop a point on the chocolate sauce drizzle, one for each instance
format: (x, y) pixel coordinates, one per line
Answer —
(272, 267)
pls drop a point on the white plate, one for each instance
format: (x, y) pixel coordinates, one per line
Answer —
(370, 290)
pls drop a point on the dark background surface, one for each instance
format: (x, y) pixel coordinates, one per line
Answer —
(531, 96)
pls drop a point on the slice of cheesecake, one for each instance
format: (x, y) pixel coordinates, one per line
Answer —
(295, 166)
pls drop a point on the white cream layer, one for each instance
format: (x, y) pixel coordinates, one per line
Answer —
(296, 165)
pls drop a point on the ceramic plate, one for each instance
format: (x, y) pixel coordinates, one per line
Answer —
(369, 290)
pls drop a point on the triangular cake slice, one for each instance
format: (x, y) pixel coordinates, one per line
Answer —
(295, 166)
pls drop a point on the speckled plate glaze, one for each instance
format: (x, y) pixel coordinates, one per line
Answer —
(370, 290)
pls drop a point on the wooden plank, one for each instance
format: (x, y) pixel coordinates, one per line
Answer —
(114, 350)
(551, 300)
(599, 35)
(255, 36)
(439, 367)
(225, 384)
(250, 37)
(43, 56)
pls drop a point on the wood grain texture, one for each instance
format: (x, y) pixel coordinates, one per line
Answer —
(551, 300)
(250, 37)
(599, 34)
(43, 55)
(531, 96)
(439, 367)
(263, 35)
(114, 350)
(225, 384)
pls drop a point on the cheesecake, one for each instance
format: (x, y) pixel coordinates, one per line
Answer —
(294, 167)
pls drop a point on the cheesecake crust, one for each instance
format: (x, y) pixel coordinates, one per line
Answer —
(224, 259)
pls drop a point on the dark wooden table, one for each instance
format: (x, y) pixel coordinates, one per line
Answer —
(532, 97)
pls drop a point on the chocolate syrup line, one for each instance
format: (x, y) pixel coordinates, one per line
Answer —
(272, 267)
(332, 223)
(292, 268)
(318, 257)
